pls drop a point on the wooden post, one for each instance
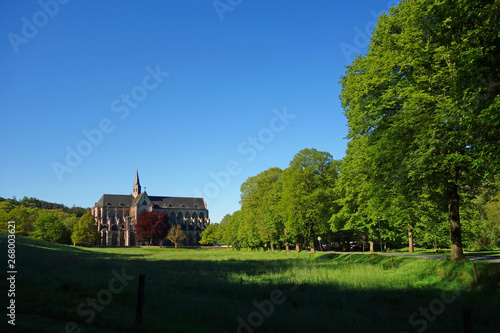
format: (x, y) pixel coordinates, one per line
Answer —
(476, 277)
(140, 300)
(350, 257)
(392, 261)
(467, 320)
(309, 255)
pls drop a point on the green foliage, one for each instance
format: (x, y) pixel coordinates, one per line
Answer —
(40, 204)
(482, 223)
(258, 223)
(85, 231)
(229, 234)
(25, 212)
(307, 195)
(423, 111)
(284, 207)
(24, 218)
(423, 115)
(490, 225)
(49, 228)
(210, 235)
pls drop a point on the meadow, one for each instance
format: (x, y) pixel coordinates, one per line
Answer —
(69, 289)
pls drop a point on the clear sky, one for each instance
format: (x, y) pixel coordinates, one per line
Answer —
(200, 94)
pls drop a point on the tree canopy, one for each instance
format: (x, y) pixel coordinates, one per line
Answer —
(49, 228)
(290, 206)
(85, 231)
(423, 109)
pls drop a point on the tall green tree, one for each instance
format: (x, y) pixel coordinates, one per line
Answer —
(49, 228)
(223, 225)
(257, 207)
(211, 235)
(426, 97)
(230, 233)
(307, 200)
(85, 231)
(353, 193)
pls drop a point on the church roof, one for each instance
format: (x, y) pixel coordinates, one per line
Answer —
(177, 202)
(119, 200)
(135, 202)
(159, 202)
(115, 200)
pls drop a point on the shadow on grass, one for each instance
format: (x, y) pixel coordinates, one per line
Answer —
(232, 294)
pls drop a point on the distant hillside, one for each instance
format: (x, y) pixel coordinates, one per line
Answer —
(40, 204)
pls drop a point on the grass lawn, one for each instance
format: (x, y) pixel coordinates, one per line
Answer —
(222, 290)
(447, 252)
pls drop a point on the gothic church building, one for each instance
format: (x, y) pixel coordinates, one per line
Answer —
(116, 215)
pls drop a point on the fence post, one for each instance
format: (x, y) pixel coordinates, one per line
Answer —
(476, 277)
(467, 320)
(140, 300)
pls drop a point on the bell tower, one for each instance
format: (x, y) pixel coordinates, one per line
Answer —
(136, 189)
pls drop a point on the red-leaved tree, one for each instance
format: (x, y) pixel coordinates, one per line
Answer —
(151, 226)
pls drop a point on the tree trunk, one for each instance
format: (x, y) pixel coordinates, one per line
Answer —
(272, 246)
(287, 248)
(455, 227)
(342, 240)
(410, 239)
(371, 246)
(297, 246)
(312, 247)
(176, 246)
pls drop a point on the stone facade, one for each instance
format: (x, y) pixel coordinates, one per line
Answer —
(116, 215)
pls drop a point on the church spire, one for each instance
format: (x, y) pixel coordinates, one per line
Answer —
(136, 189)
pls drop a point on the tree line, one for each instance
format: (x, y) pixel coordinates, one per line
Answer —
(49, 221)
(57, 223)
(423, 157)
(40, 204)
(312, 198)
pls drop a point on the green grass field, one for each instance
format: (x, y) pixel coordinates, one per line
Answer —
(67, 289)
(446, 252)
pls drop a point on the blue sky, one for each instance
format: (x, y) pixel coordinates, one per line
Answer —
(199, 94)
